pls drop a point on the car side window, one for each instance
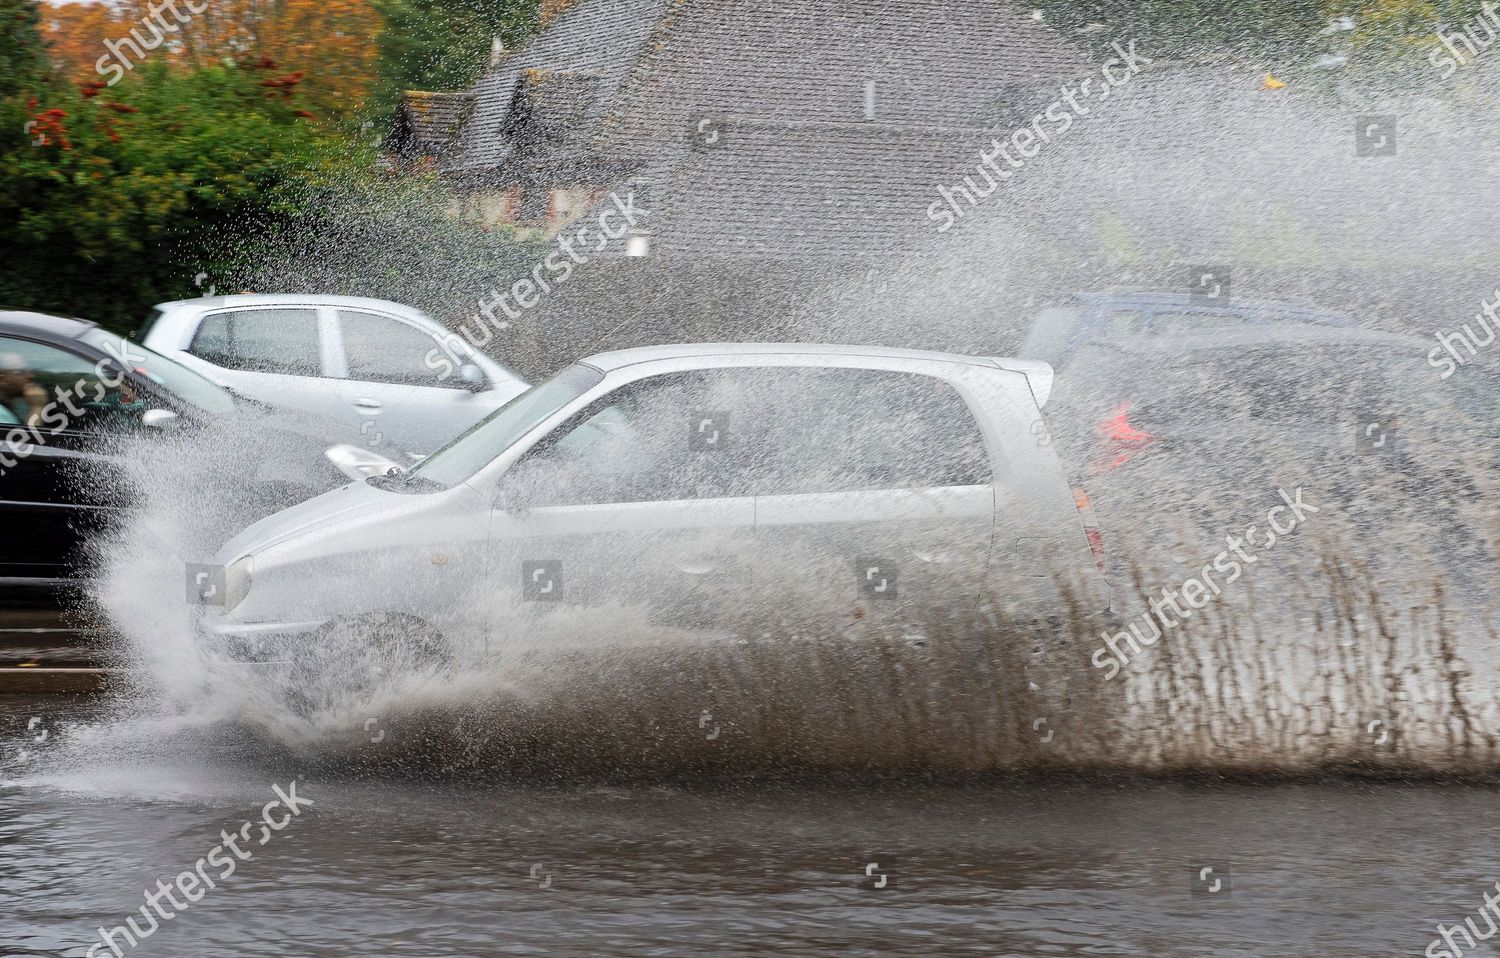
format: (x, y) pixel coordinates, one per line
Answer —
(380, 349)
(658, 439)
(1174, 324)
(1123, 323)
(844, 430)
(277, 340)
(52, 390)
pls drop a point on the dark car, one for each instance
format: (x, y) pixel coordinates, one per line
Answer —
(1197, 431)
(1061, 330)
(74, 400)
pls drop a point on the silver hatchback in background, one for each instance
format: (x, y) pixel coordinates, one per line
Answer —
(391, 371)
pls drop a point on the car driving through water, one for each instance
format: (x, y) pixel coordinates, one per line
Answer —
(815, 485)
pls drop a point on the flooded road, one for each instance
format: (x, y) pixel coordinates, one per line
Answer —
(387, 864)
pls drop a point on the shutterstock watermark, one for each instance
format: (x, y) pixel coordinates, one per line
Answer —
(196, 878)
(1468, 339)
(1028, 140)
(551, 271)
(53, 413)
(119, 63)
(1489, 911)
(1201, 589)
(1446, 55)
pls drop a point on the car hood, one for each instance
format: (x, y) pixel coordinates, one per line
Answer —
(357, 499)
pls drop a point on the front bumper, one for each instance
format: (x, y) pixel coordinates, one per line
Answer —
(226, 640)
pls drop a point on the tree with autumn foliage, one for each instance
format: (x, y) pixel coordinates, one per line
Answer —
(330, 45)
(114, 197)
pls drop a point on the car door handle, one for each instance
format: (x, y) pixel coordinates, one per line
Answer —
(369, 405)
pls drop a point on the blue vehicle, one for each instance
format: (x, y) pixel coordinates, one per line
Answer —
(1061, 330)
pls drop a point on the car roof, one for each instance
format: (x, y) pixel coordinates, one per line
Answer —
(22, 322)
(1261, 308)
(290, 299)
(616, 359)
(1301, 334)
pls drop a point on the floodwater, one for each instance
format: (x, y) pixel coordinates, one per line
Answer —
(392, 864)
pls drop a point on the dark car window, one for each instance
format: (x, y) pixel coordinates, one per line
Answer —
(52, 390)
(385, 350)
(166, 373)
(278, 340)
(1169, 324)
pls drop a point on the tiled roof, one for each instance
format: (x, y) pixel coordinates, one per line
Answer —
(600, 39)
(837, 119)
(429, 121)
(934, 63)
(766, 189)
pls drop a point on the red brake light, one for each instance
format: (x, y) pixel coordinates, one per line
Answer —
(1091, 532)
(1096, 545)
(1119, 440)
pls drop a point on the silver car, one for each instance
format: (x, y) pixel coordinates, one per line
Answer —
(390, 371)
(825, 484)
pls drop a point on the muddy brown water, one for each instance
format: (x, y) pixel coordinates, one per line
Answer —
(94, 809)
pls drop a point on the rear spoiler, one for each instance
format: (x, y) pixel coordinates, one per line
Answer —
(1038, 375)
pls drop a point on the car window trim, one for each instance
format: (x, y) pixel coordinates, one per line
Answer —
(343, 354)
(331, 343)
(317, 312)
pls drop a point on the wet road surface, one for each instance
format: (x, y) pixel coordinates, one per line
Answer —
(382, 864)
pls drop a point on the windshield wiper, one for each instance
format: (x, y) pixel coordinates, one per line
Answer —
(405, 482)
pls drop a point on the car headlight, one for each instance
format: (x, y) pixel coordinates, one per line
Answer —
(237, 581)
(357, 463)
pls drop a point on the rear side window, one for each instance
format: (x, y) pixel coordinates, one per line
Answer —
(261, 341)
(380, 349)
(843, 430)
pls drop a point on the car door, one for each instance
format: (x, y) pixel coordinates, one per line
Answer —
(389, 385)
(874, 497)
(276, 355)
(635, 503)
(55, 412)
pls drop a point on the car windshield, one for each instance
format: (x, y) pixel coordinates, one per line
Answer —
(489, 437)
(171, 376)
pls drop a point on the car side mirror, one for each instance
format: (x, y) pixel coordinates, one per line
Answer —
(472, 378)
(158, 418)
